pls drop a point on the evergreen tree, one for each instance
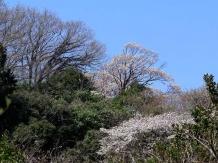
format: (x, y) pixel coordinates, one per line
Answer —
(7, 79)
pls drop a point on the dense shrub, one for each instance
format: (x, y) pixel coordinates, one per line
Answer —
(68, 84)
(141, 100)
(44, 127)
(9, 153)
(85, 150)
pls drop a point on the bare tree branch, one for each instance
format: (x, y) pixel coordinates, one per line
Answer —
(40, 44)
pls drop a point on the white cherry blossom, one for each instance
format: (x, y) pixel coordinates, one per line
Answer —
(135, 63)
(120, 136)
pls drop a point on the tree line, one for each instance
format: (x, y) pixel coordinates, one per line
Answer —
(57, 91)
(40, 44)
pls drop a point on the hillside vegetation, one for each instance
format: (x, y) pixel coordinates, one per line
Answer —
(60, 101)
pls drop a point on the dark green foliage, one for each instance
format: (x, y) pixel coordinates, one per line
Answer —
(114, 113)
(18, 112)
(9, 153)
(48, 120)
(7, 79)
(138, 99)
(124, 99)
(212, 88)
(3, 57)
(43, 125)
(67, 84)
(37, 134)
(53, 125)
(85, 150)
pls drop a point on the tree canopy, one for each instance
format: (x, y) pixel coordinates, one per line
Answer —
(40, 44)
(136, 63)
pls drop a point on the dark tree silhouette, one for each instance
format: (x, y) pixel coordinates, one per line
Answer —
(7, 79)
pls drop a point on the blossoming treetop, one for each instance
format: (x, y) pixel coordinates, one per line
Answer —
(136, 63)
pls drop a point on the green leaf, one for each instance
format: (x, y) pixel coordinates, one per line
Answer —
(8, 102)
(1, 111)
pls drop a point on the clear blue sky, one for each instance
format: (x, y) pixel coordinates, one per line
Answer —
(183, 32)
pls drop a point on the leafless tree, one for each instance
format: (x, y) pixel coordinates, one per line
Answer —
(39, 44)
(195, 97)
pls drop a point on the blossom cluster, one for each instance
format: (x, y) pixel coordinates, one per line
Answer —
(136, 63)
(120, 136)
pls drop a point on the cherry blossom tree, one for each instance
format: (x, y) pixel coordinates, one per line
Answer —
(136, 63)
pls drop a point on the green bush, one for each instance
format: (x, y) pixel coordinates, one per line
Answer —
(138, 99)
(37, 132)
(85, 150)
(44, 125)
(68, 84)
(58, 115)
(9, 153)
